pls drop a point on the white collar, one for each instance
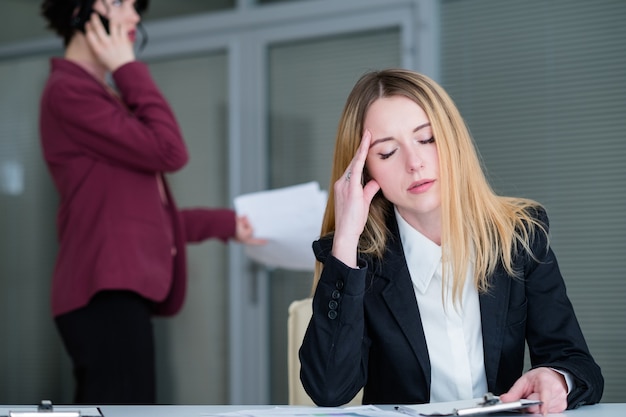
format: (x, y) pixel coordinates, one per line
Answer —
(423, 256)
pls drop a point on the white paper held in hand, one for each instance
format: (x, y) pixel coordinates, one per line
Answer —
(290, 219)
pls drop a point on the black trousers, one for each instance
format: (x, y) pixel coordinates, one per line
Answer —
(111, 344)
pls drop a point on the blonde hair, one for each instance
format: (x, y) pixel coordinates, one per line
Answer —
(476, 223)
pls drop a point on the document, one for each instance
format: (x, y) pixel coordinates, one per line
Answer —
(289, 219)
(359, 411)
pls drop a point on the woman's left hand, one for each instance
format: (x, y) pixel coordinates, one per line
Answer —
(542, 384)
(352, 204)
(245, 232)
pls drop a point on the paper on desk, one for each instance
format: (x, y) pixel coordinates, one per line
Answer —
(290, 219)
(358, 411)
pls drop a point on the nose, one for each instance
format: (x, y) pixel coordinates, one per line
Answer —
(132, 15)
(414, 160)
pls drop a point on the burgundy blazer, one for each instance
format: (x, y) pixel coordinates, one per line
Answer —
(106, 155)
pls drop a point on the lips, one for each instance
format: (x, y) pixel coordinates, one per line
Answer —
(421, 186)
(132, 35)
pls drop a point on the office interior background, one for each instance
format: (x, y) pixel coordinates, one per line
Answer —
(258, 87)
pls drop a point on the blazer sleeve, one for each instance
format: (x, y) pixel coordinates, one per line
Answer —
(138, 131)
(334, 352)
(200, 224)
(554, 336)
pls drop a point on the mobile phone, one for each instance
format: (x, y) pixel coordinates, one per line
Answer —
(83, 16)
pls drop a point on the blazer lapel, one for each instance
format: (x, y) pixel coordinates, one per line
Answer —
(492, 304)
(400, 298)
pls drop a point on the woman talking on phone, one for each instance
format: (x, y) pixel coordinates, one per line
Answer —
(122, 239)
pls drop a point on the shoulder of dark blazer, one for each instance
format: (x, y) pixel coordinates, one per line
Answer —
(539, 239)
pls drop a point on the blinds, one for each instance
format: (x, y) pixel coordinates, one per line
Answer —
(542, 85)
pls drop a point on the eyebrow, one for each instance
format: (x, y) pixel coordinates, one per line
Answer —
(377, 141)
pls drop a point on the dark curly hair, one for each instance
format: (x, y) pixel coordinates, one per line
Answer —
(61, 14)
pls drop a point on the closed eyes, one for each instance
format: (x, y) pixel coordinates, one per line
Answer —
(387, 155)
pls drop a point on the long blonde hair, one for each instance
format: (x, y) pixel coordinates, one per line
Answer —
(476, 223)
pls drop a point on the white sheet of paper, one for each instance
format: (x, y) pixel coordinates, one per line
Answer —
(290, 219)
(358, 411)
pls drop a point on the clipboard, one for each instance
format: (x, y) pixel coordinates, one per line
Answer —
(490, 404)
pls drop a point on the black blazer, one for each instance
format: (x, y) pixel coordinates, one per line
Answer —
(366, 330)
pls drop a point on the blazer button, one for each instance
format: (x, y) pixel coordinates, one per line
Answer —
(332, 314)
(332, 304)
(336, 295)
(339, 284)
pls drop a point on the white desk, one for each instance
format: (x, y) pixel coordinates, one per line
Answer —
(597, 410)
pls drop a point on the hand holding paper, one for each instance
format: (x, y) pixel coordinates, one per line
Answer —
(245, 232)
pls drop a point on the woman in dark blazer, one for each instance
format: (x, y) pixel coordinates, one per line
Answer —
(429, 285)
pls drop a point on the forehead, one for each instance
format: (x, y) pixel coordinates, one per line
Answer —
(397, 109)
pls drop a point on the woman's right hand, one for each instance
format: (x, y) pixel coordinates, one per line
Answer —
(112, 49)
(352, 203)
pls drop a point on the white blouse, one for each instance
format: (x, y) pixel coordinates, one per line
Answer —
(453, 333)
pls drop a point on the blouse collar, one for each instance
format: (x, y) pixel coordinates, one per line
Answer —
(423, 256)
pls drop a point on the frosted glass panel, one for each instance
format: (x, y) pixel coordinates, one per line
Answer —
(192, 349)
(28, 204)
(309, 83)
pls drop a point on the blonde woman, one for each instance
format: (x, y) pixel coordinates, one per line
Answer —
(428, 284)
